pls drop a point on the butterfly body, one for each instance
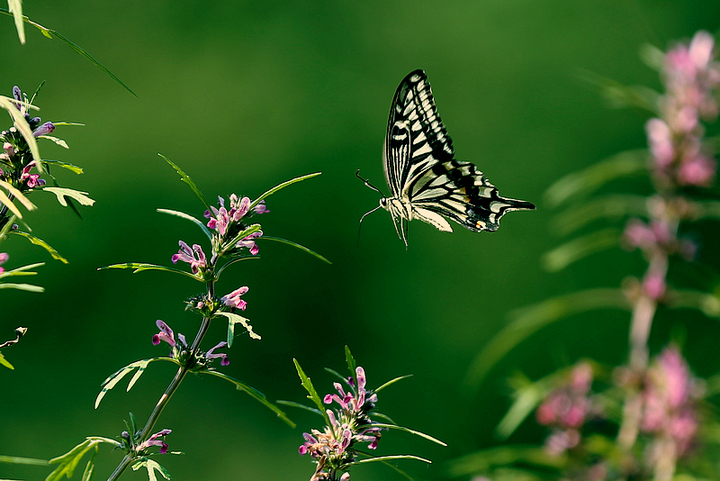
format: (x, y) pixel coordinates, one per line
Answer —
(426, 181)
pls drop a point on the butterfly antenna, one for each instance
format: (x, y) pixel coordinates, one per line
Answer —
(361, 221)
(367, 182)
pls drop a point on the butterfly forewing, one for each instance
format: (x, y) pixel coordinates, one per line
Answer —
(416, 138)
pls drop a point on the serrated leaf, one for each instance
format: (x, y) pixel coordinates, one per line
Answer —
(21, 287)
(528, 320)
(294, 244)
(404, 429)
(254, 393)
(312, 393)
(62, 192)
(19, 196)
(69, 461)
(587, 181)
(613, 206)
(186, 178)
(574, 250)
(39, 242)
(192, 219)
(116, 377)
(282, 186)
(5, 362)
(56, 140)
(139, 267)
(65, 165)
(15, 7)
(21, 124)
(151, 467)
(235, 319)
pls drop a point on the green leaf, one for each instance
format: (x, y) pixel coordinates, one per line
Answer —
(4, 361)
(22, 271)
(235, 319)
(185, 216)
(62, 192)
(69, 461)
(237, 259)
(20, 122)
(18, 460)
(294, 244)
(18, 195)
(139, 267)
(389, 458)
(392, 381)
(301, 406)
(620, 95)
(407, 430)
(527, 396)
(15, 7)
(5, 200)
(21, 287)
(65, 165)
(528, 320)
(597, 175)
(351, 364)
(151, 467)
(613, 207)
(257, 395)
(484, 461)
(186, 178)
(565, 254)
(56, 140)
(312, 393)
(708, 304)
(48, 32)
(39, 242)
(282, 186)
(137, 366)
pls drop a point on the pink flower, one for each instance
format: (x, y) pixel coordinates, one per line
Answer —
(212, 355)
(195, 256)
(233, 299)
(697, 170)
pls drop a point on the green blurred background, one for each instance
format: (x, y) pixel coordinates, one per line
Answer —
(244, 95)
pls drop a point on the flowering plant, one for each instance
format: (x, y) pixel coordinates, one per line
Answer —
(349, 425)
(650, 418)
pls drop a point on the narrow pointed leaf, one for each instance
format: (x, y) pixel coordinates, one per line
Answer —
(56, 140)
(351, 364)
(528, 320)
(186, 178)
(407, 430)
(39, 242)
(301, 406)
(5, 200)
(484, 461)
(294, 244)
(612, 207)
(15, 7)
(69, 461)
(139, 267)
(708, 304)
(22, 271)
(337, 375)
(19, 460)
(565, 254)
(65, 165)
(116, 377)
(527, 397)
(282, 186)
(389, 458)
(241, 386)
(235, 319)
(392, 381)
(231, 244)
(22, 125)
(21, 287)
(19, 196)
(62, 192)
(5, 362)
(185, 216)
(588, 180)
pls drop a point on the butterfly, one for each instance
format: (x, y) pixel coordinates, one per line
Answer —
(426, 181)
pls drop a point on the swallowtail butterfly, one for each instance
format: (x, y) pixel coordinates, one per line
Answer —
(425, 179)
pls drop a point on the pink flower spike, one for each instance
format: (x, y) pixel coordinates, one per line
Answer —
(211, 354)
(233, 299)
(166, 334)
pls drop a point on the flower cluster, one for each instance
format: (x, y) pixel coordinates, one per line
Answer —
(670, 397)
(181, 351)
(16, 157)
(691, 75)
(157, 439)
(3, 257)
(566, 409)
(350, 424)
(229, 223)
